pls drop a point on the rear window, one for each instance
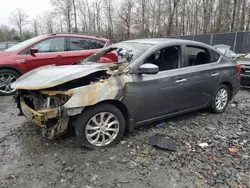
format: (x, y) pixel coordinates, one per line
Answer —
(77, 43)
(96, 44)
(214, 56)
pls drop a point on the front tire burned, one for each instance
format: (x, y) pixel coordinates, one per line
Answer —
(100, 126)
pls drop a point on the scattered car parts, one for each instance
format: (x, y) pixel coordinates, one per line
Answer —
(162, 141)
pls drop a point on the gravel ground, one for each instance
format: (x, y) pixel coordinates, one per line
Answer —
(28, 160)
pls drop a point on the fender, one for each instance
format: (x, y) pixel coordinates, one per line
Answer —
(11, 67)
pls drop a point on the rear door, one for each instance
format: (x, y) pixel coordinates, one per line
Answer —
(202, 72)
(50, 51)
(80, 48)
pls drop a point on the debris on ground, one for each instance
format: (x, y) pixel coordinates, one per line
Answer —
(164, 124)
(232, 150)
(162, 141)
(234, 104)
(132, 163)
(203, 145)
(161, 125)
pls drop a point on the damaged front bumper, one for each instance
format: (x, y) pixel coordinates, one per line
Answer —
(54, 121)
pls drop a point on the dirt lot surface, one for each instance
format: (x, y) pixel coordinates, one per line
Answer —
(29, 160)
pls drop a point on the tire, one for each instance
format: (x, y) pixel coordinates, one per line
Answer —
(6, 74)
(222, 90)
(84, 126)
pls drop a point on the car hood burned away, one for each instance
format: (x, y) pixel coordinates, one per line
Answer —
(50, 95)
(51, 76)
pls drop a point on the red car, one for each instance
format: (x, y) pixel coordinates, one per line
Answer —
(58, 49)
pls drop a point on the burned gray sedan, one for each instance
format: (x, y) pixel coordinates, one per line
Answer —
(153, 79)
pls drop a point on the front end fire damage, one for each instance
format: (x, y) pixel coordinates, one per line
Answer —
(52, 96)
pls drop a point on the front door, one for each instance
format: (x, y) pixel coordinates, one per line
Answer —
(163, 93)
(50, 51)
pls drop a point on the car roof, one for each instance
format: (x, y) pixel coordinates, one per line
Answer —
(164, 41)
(78, 35)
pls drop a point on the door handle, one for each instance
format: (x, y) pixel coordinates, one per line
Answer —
(180, 80)
(215, 74)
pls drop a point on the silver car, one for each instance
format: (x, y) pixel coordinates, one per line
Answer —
(153, 79)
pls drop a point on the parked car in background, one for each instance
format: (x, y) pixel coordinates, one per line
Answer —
(243, 61)
(58, 49)
(245, 70)
(7, 44)
(226, 50)
(154, 79)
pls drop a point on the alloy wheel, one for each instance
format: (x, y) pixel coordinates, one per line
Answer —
(102, 129)
(221, 99)
(6, 79)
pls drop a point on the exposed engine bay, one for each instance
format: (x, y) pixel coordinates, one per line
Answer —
(53, 108)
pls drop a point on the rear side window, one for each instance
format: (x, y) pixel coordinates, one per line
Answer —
(96, 44)
(79, 44)
(214, 56)
(198, 56)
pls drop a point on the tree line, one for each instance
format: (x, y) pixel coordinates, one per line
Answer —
(125, 19)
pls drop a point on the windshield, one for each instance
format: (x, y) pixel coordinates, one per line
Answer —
(131, 50)
(127, 52)
(23, 44)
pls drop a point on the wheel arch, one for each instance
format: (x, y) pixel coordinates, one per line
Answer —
(11, 68)
(122, 107)
(230, 87)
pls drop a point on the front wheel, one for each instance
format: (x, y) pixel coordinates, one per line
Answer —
(220, 99)
(7, 77)
(100, 126)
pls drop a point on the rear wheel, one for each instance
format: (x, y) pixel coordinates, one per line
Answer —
(100, 126)
(220, 99)
(7, 77)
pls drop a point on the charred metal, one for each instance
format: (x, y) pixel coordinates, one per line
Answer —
(52, 108)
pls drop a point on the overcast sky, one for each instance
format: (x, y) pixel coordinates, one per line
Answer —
(32, 7)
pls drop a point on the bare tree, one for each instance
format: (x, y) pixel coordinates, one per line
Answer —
(172, 10)
(234, 14)
(75, 15)
(97, 10)
(35, 26)
(47, 19)
(19, 18)
(126, 16)
(108, 10)
(64, 8)
(243, 15)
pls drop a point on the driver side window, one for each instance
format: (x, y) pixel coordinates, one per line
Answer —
(51, 45)
(166, 59)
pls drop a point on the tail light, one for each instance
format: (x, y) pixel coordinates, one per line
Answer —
(238, 68)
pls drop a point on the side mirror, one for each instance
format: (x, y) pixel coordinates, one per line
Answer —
(33, 50)
(149, 68)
